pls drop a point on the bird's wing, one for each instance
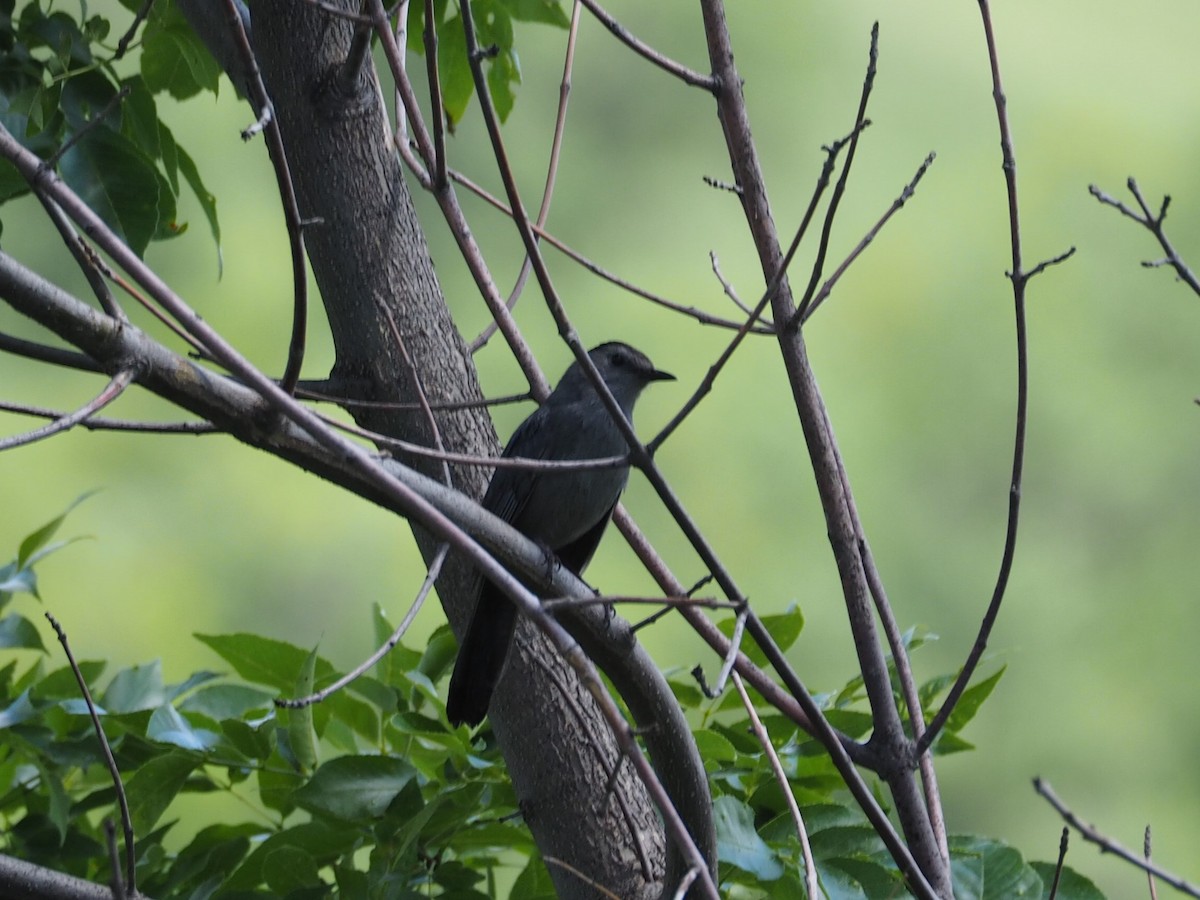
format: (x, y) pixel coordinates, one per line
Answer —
(577, 554)
(509, 489)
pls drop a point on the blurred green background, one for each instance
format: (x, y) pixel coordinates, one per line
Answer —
(914, 351)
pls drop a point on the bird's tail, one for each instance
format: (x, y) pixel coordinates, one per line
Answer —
(481, 657)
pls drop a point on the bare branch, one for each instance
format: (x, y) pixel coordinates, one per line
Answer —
(810, 869)
(118, 787)
(287, 194)
(560, 123)
(1154, 224)
(1108, 845)
(1020, 278)
(100, 423)
(111, 392)
(860, 121)
(596, 269)
(435, 569)
(805, 312)
(644, 50)
(56, 356)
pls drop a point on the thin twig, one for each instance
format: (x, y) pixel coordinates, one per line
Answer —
(470, 459)
(117, 99)
(437, 172)
(122, 802)
(115, 387)
(726, 286)
(308, 391)
(805, 313)
(840, 188)
(560, 123)
(447, 200)
(1154, 224)
(686, 882)
(747, 170)
(84, 258)
(287, 195)
(117, 883)
(56, 356)
(644, 50)
(1146, 856)
(556, 603)
(596, 269)
(128, 36)
(1063, 841)
(418, 386)
(1020, 279)
(710, 377)
(590, 882)
(435, 569)
(735, 646)
(812, 891)
(1108, 845)
(100, 423)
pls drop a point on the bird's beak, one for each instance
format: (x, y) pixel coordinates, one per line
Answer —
(659, 375)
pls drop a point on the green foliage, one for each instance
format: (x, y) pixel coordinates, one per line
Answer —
(371, 793)
(494, 31)
(62, 96)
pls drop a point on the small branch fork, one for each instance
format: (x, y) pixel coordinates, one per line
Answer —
(1108, 845)
(1154, 223)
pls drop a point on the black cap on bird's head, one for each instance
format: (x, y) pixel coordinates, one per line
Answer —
(625, 371)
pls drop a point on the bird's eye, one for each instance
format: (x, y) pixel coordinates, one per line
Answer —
(619, 359)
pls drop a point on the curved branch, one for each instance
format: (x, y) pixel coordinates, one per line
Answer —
(115, 387)
(1020, 278)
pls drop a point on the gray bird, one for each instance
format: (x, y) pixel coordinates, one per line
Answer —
(565, 512)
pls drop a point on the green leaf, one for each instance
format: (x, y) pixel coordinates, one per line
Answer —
(34, 542)
(265, 660)
(454, 70)
(118, 182)
(173, 58)
(167, 726)
(534, 882)
(739, 844)
(319, 839)
(62, 685)
(503, 73)
(227, 701)
(287, 868)
(548, 12)
(972, 698)
(207, 200)
(302, 736)
(1071, 885)
(983, 869)
(139, 119)
(249, 740)
(135, 689)
(783, 627)
(714, 748)
(20, 710)
(16, 631)
(354, 788)
(276, 785)
(59, 807)
(153, 787)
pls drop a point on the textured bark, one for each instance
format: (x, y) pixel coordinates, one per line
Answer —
(369, 250)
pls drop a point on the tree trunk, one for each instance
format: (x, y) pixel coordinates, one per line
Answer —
(368, 254)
